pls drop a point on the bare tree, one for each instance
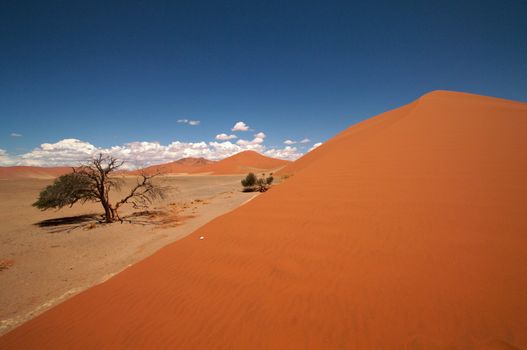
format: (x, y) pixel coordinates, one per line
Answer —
(93, 181)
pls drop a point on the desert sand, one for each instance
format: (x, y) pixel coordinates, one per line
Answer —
(406, 231)
(50, 256)
(33, 172)
(243, 163)
(181, 166)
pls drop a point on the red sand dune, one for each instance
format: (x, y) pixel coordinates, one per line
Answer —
(406, 231)
(25, 172)
(243, 163)
(181, 166)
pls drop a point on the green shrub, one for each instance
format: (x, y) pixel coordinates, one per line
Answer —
(249, 181)
(254, 184)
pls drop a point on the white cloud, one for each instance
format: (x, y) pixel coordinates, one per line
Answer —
(255, 143)
(189, 122)
(5, 159)
(306, 140)
(225, 137)
(242, 142)
(289, 142)
(64, 152)
(315, 146)
(15, 134)
(71, 152)
(240, 126)
(289, 153)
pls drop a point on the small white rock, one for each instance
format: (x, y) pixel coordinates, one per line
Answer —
(201, 237)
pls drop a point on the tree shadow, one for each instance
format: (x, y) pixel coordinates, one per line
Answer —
(69, 223)
(157, 218)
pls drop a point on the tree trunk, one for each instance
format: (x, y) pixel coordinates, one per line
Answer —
(115, 216)
(108, 215)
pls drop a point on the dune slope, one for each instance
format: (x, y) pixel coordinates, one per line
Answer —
(181, 166)
(243, 163)
(407, 231)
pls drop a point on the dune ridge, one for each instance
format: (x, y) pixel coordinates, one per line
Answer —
(181, 166)
(406, 231)
(243, 163)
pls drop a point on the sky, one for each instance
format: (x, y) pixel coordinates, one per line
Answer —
(155, 81)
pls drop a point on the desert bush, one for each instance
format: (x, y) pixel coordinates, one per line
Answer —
(257, 184)
(249, 181)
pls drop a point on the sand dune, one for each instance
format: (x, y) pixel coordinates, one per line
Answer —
(181, 166)
(242, 163)
(34, 172)
(407, 231)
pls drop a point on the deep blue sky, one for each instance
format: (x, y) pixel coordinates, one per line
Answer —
(111, 72)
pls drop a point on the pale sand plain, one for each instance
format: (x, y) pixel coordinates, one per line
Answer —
(50, 256)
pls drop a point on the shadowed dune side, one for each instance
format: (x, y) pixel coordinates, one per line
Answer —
(406, 231)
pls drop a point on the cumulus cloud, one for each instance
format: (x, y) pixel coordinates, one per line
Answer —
(225, 137)
(15, 134)
(64, 152)
(315, 146)
(255, 144)
(306, 140)
(240, 126)
(289, 153)
(5, 159)
(189, 122)
(289, 142)
(71, 152)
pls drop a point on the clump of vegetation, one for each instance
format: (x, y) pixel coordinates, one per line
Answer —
(92, 182)
(252, 183)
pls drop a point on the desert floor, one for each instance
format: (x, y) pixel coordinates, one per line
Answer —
(47, 257)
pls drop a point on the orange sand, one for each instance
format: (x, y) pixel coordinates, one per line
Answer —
(184, 165)
(407, 231)
(24, 172)
(242, 163)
